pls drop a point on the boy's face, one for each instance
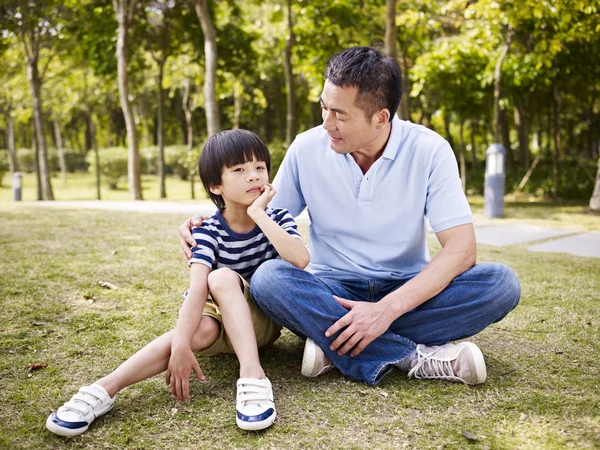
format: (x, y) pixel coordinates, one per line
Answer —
(241, 184)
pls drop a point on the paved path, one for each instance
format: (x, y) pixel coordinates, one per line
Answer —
(553, 240)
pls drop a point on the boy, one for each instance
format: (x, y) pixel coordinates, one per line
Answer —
(234, 168)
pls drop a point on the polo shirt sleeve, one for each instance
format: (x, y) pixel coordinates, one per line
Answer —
(206, 250)
(284, 219)
(446, 204)
(287, 183)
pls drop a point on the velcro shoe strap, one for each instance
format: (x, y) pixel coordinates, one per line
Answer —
(77, 406)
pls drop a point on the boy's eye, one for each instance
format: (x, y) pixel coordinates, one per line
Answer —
(261, 167)
(238, 169)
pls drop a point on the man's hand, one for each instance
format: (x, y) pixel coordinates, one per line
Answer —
(186, 241)
(364, 323)
(181, 364)
(268, 192)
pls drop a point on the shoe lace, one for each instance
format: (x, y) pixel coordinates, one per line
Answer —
(253, 392)
(431, 366)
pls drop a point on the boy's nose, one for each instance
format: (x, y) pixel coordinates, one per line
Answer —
(252, 175)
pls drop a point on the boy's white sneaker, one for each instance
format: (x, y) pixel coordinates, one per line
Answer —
(314, 361)
(74, 417)
(459, 363)
(255, 409)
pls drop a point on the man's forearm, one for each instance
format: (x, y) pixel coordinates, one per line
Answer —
(455, 258)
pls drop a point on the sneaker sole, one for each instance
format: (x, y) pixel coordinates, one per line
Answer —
(71, 432)
(309, 360)
(255, 426)
(479, 362)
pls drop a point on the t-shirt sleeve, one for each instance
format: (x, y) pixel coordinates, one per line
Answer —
(446, 205)
(287, 183)
(206, 250)
(285, 220)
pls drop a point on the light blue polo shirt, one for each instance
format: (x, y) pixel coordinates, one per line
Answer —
(372, 225)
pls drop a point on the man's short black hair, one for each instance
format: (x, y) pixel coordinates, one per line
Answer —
(377, 77)
(227, 149)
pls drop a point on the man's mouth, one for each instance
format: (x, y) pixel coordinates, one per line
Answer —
(334, 139)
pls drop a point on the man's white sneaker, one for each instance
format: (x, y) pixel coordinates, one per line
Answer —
(314, 361)
(75, 416)
(459, 363)
(254, 405)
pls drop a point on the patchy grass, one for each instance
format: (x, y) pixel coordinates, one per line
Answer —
(542, 391)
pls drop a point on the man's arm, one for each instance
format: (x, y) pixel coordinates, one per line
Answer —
(182, 360)
(367, 321)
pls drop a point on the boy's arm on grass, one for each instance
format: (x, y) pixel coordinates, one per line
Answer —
(288, 247)
(182, 360)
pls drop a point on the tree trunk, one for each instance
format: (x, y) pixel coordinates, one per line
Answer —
(38, 123)
(498, 86)
(447, 121)
(474, 164)
(290, 127)
(10, 140)
(238, 102)
(213, 118)
(595, 200)
(462, 159)
(505, 131)
(522, 123)
(36, 164)
(391, 35)
(124, 13)
(557, 142)
(59, 149)
(161, 131)
(94, 143)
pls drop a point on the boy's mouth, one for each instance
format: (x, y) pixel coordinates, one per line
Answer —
(253, 190)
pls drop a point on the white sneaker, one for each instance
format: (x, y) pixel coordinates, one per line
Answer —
(459, 363)
(75, 416)
(314, 361)
(255, 406)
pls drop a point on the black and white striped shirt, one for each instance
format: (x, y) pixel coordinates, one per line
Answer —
(220, 246)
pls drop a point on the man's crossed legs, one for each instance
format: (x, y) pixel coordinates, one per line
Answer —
(304, 304)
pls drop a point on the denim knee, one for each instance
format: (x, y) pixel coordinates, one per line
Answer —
(265, 280)
(507, 286)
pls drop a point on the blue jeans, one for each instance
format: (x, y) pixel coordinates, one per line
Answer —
(304, 304)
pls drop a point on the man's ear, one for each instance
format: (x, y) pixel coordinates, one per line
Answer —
(383, 117)
(215, 190)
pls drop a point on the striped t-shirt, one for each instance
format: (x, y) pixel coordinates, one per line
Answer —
(220, 246)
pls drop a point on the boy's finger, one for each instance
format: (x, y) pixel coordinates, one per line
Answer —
(185, 389)
(198, 372)
(168, 376)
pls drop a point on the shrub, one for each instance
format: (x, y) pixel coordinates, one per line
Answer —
(277, 149)
(76, 162)
(149, 160)
(26, 160)
(181, 160)
(3, 164)
(113, 164)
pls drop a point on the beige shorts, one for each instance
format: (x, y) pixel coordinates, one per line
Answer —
(267, 331)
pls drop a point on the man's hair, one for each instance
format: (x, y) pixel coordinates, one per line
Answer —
(226, 149)
(377, 77)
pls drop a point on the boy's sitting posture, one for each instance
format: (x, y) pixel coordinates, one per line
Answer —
(234, 168)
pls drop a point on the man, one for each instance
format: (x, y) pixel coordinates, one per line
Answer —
(372, 298)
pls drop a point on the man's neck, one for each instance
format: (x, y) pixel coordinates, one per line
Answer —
(365, 158)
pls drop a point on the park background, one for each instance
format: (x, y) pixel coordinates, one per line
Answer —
(114, 99)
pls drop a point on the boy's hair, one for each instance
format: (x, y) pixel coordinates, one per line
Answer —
(377, 77)
(226, 149)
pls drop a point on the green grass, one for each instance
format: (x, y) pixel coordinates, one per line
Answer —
(543, 389)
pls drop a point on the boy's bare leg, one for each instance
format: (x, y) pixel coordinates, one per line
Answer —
(226, 290)
(154, 357)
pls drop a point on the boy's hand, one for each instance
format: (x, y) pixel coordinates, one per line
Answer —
(181, 364)
(186, 241)
(268, 192)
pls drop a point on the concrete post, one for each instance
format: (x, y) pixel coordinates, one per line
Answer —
(17, 182)
(493, 204)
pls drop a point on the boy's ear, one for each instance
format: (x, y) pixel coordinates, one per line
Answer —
(215, 190)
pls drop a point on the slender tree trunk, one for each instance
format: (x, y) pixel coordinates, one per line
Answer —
(474, 164)
(238, 102)
(595, 200)
(36, 164)
(38, 121)
(124, 13)
(498, 86)
(161, 132)
(213, 118)
(96, 156)
(447, 121)
(462, 159)
(557, 141)
(10, 140)
(505, 131)
(188, 107)
(290, 128)
(59, 149)
(522, 123)
(391, 36)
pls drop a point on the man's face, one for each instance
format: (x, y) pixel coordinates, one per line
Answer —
(348, 127)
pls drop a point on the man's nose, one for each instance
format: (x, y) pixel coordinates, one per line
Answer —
(328, 121)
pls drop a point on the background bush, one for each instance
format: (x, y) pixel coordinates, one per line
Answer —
(113, 164)
(3, 164)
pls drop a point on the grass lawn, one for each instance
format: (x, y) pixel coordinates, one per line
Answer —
(543, 388)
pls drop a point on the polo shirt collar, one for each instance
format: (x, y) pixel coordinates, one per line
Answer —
(393, 144)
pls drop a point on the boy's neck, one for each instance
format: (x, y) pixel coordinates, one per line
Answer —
(238, 219)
